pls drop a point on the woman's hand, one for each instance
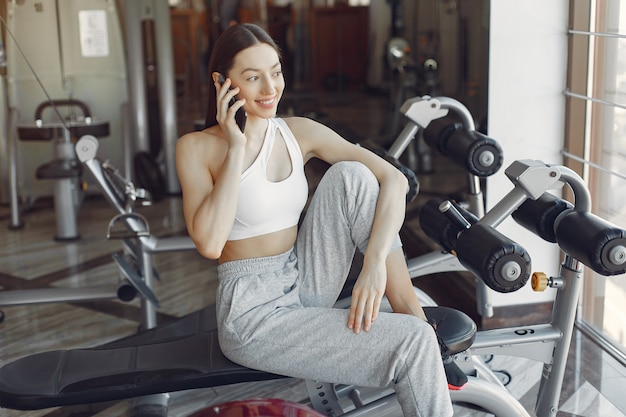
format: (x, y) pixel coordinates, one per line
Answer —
(226, 113)
(367, 295)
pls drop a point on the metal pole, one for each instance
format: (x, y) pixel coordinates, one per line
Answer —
(57, 295)
(167, 91)
(136, 79)
(404, 138)
(563, 318)
(16, 222)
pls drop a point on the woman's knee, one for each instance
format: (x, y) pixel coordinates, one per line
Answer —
(353, 175)
(422, 333)
(351, 168)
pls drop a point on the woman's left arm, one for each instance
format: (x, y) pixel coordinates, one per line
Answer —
(317, 140)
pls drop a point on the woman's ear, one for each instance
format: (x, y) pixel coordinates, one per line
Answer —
(216, 76)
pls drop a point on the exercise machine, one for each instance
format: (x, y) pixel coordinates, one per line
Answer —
(447, 126)
(127, 285)
(152, 94)
(74, 55)
(65, 169)
(83, 51)
(143, 364)
(103, 373)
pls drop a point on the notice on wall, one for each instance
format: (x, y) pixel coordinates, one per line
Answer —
(94, 37)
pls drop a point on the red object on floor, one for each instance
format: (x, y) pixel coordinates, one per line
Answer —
(271, 407)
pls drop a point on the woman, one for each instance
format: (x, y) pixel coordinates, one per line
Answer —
(243, 194)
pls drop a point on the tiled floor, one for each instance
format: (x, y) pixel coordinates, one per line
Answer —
(31, 258)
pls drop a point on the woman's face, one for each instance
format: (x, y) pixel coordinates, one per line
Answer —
(258, 74)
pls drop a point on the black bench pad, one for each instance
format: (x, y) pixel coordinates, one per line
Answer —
(180, 355)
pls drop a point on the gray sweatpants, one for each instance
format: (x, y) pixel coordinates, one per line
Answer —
(275, 313)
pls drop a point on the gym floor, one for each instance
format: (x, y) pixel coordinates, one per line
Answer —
(31, 258)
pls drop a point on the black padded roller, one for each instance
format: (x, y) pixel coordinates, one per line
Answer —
(593, 241)
(538, 216)
(501, 263)
(438, 227)
(414, 185)
(438, 132)
(478, 154)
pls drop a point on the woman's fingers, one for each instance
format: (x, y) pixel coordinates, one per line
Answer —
(227, 106)
(376, 309)
(224, 94)
(355, 319)
(363, 311)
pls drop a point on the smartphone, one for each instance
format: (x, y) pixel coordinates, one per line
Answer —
(240, 115)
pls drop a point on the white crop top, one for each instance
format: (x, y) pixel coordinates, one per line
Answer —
(265, 206)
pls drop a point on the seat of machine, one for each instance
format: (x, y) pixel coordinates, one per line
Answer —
(51, 131)
(180, 355)
(455, 328)
(59, 169)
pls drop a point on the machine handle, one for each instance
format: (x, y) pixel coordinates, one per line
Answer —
(439, 227)
(455, 216)
(62, 102)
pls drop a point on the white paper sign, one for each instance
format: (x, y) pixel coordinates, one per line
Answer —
(94, 37)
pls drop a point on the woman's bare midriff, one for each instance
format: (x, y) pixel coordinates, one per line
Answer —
(256, 247)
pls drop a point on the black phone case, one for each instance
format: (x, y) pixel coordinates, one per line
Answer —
(240, 115)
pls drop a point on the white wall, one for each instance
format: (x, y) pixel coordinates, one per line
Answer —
(527, 73)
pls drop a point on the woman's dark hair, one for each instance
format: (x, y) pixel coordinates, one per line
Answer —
(233, 40)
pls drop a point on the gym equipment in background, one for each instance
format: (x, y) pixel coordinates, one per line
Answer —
(75, 54)
(152, 92)
(64, 169)
(78, 53)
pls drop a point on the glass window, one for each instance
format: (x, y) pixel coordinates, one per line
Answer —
(596, 142)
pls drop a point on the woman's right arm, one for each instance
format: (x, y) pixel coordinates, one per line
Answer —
(209, 198)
